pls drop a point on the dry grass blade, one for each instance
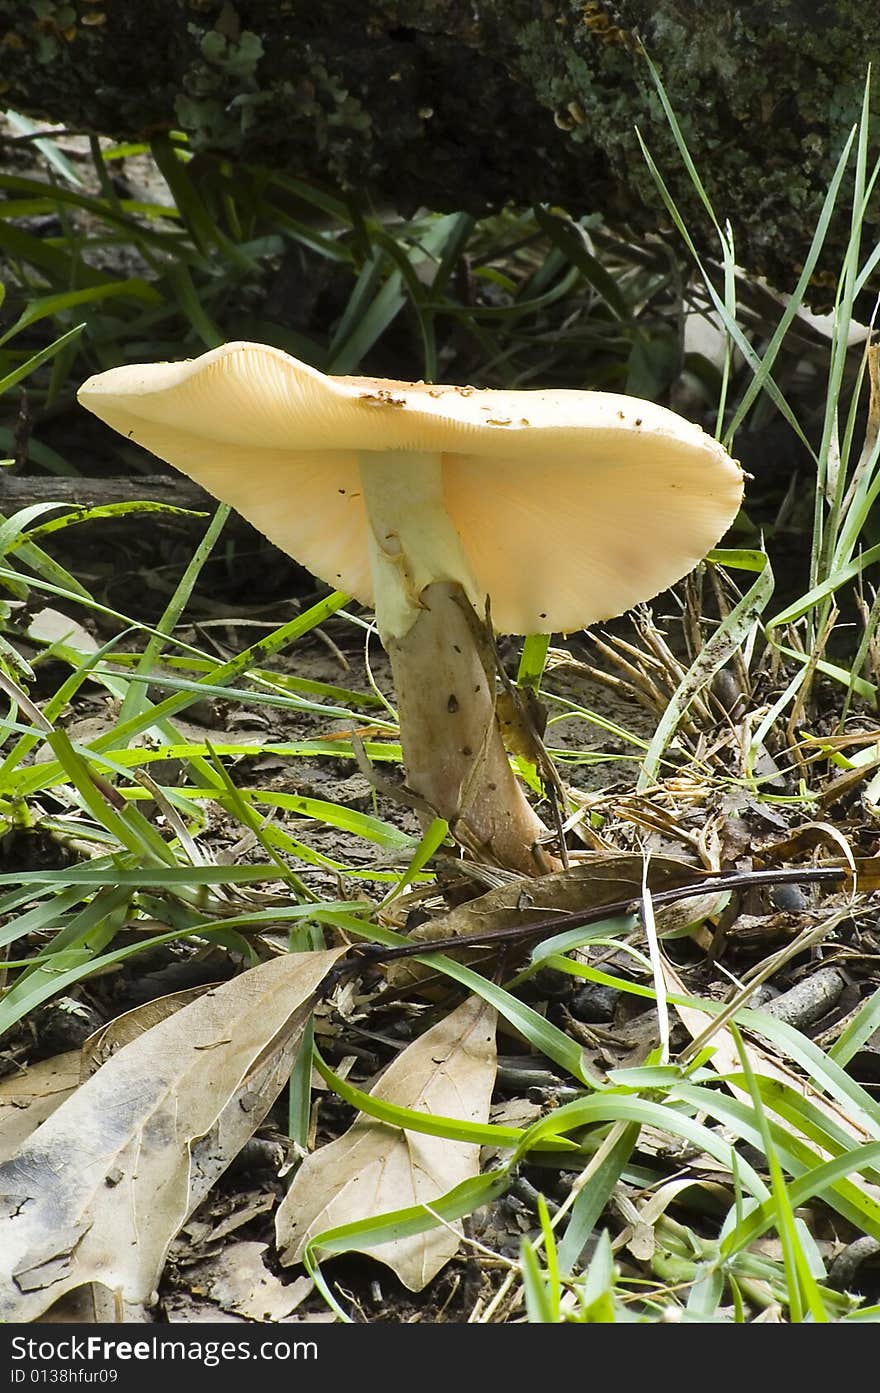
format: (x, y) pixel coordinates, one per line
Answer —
(375, 1168)
(97, 1193)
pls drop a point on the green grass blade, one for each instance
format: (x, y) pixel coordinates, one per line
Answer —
(36, 360)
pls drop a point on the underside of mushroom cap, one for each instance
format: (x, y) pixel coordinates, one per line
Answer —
(571, 506)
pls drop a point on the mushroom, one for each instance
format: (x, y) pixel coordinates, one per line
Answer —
(558, 508)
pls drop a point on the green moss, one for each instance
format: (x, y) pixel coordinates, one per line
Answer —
(456, 105)
(237, 57)
(221, 91)
(205, 120)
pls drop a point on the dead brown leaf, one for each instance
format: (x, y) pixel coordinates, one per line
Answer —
(375, 1168)
(104, 1043)
(98, 1192)
(50, 626)
(29, 1097)
(238, 1280)
(606, 878)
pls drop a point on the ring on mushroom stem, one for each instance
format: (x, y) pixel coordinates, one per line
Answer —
(564, 508)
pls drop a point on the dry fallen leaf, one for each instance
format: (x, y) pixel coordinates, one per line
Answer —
(104, 1043)
(606, 878)
(51, 626)
(98, 1192)
(29, 1097)
(375, 1168)
(239, 1281)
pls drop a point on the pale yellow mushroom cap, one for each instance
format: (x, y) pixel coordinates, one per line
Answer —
(571, 506)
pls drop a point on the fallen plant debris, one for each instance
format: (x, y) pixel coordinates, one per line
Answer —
(862, 875)
(99, 1190)
(374, 1168)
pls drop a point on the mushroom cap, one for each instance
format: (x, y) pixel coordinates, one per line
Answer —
(571, 506)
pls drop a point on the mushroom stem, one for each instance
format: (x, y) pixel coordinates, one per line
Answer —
(453, 751)
(412, 539)
(444, 676)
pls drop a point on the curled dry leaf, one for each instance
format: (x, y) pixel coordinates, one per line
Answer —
(605, 879)
(98, 1192)
(375, 1168)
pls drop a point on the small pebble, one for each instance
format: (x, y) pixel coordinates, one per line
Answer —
(203, 712)
(726, 689)
(549, 983)
(594, 1002)
(843, 1273)
(761, 995)
(789, 898)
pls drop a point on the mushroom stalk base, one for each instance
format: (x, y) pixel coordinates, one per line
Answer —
(455, 758)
